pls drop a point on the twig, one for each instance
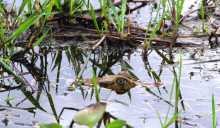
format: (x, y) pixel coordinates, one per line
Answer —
(99, 42)
(196, 35)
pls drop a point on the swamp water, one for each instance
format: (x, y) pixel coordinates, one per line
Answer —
(198, 82)
(53, 69)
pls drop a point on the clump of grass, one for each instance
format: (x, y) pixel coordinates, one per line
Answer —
(111, 14)
(119, 16)
(92, 13)
(166, 10)
(2, 28)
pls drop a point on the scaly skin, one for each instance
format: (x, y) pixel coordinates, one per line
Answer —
(120, 83)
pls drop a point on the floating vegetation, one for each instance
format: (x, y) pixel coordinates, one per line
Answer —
(91, 115)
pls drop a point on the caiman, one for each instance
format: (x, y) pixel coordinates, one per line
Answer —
(120, 83)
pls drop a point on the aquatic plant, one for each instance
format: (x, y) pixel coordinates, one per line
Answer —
(90, 115)
(214, 119)
(51, 125)
(32, 25)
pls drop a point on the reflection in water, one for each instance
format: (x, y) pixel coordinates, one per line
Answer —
(33, 66)
(45, 71)
(43, 75)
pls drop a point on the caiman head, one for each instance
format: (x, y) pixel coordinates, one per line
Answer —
(118, 83)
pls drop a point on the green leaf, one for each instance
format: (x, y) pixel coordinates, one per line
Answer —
(58, 5)
(39, 40)
(92, 13)
(116, 124)
(90, 115)
(96, 85)
(214, 120)
(24, 26)
(30, 97)
(22, 6)
(171, 121)
(129, 95)
(121, 20)
(72, 4)
(51, 125)
(52, 105)
(57, 60)
(155, 76)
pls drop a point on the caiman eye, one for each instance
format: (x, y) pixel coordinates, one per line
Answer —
(121, 81)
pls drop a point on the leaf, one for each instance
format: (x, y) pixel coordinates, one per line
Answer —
(39, 40)
(92, 13)
(96, 85)
(171, 121)
(57, 60)
(24, 26)
(129, 95)
(164, 57)
(155, 76)
(28, 94)
(49, 6)
(52, 105)
(125, 65)
(30, 97)
(58, 5)
(72, 8)
(214, 120)
(121, 20)
(116, 124)
(21, 8)
(90, 115)
(51, 125)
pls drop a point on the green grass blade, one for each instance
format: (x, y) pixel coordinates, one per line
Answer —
(122, 15)
(214, 120)
(92, 13)
(58, 4)
(57, 60)
(72, 4)
(24, 26)
(30, 6)
(30, 97)
(96, 85)
(39, 40)
(22, 6)
(50, 98)
(171, 121)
